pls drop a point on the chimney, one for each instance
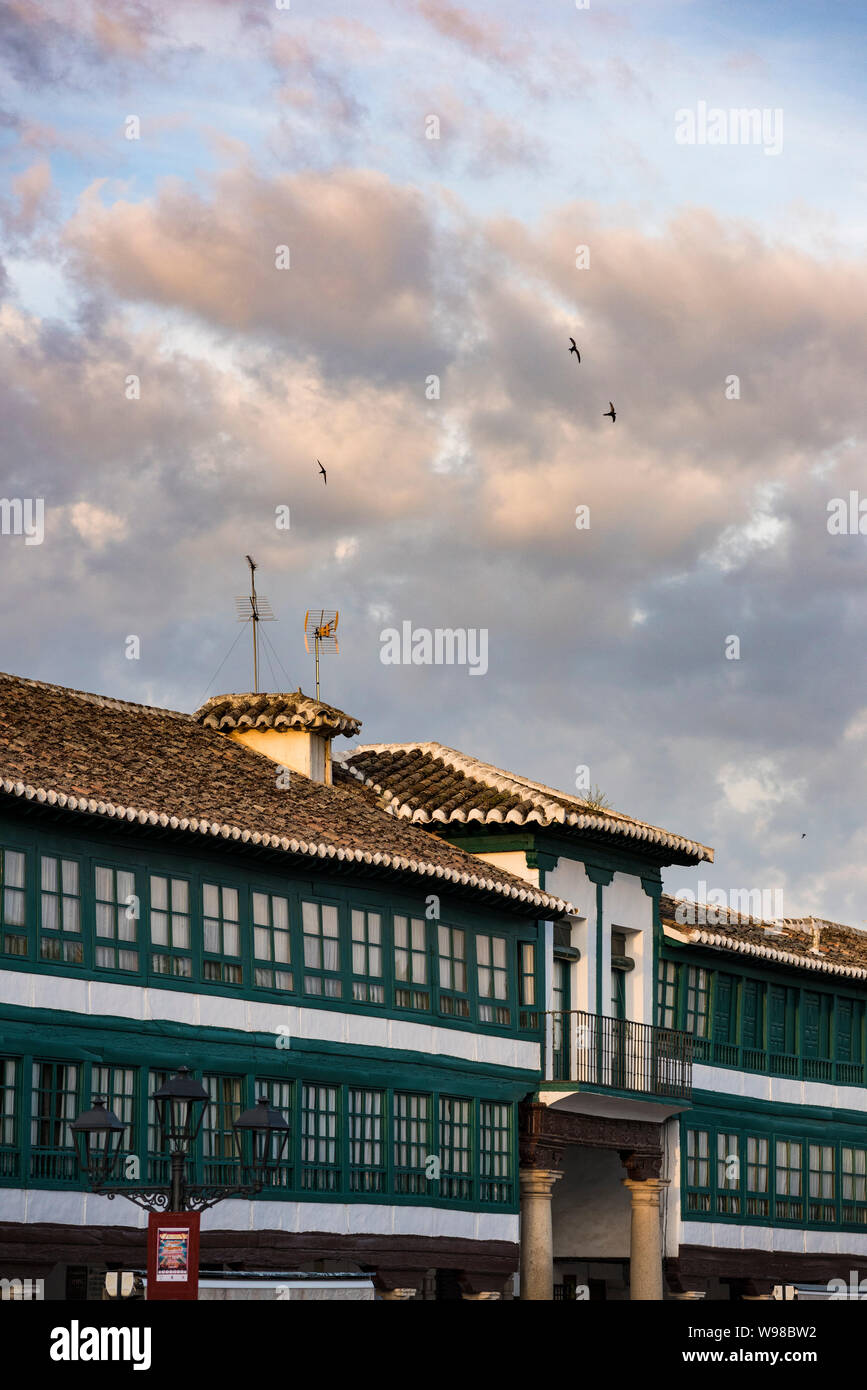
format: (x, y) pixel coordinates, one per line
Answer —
(291, 730)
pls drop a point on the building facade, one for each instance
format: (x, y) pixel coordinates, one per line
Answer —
(698, 1130)
(174, 892)
(501, 1049)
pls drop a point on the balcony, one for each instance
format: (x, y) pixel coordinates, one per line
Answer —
(593, 1050)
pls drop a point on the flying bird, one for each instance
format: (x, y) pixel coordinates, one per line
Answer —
(574, 348)
(610, 412)
(324, 474)
(804, 836)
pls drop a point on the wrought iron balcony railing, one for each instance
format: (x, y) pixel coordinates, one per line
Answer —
(613, 1052)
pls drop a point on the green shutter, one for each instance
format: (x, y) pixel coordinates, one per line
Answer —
(724, 994)
(811, 1015)
(751, 1024)
(844, 1030)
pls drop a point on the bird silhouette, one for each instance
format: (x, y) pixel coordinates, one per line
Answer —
(574, 348)
(804, 836)
(324, 474)
(610, 412)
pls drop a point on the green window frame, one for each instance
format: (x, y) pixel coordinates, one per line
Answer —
(822, 1189)
(492, 979)
(10, 1156)
(561, 1019)
(220, 1163)
(728, 1174)
(413, 1114)
(368, 986)
(456, 1148)
(365, 1123)
(158, 1159)
(272, 943)
(13, 903)
(853, 1184)
(752, 1024)
(321, 930)
(411, 987)
(527, 983)
(789, 1180)
(281, 1096)
(116, 919)
(666, 994)
(453, 982)
(171, 927)
(221, 934)
(496, 1167)
(697, 1012)
(118, 1087)
(60, 934)
(56, 1097)
(758, 1175)
(320, 1137)
(698, 1188)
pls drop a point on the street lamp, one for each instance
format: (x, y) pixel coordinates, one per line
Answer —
(98, 1141)
(175, 1103)
(266, 1132)
(261, 1135)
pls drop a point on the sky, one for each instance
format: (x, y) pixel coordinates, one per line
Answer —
(457, 189)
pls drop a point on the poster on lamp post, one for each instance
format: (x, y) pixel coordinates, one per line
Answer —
(173, 1255)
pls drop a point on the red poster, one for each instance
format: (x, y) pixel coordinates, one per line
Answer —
(173, 1255)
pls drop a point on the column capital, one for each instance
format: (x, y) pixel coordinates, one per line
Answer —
(538, 1182)
(646, 1191)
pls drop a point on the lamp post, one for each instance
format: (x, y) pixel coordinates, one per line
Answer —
(261, 1134)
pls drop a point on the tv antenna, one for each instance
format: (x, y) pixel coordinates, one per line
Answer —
(321, 625)
(254, 608)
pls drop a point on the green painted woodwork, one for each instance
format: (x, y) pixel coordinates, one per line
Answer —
(758, 1019)
(213, 923)
(774, 1168)
(367, 1142)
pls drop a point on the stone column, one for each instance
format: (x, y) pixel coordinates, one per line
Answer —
(537, 1236)
(645, 1247)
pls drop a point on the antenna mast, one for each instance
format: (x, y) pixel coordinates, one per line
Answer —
(254, 609)
(321, 625)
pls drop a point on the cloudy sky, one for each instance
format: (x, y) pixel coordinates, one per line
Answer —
(457, 258)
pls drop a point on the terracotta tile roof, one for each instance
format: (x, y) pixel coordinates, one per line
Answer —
(138, 763)
(808, 943)
(430, 784)
(291, 711)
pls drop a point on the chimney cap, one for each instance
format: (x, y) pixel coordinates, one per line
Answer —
(276, 711)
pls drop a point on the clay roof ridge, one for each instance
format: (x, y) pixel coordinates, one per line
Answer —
(101, 701)
(556, 806)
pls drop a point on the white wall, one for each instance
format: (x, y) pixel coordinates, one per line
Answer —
(340, 1218)
(105, 998)
(591, 1207)
(625, 905)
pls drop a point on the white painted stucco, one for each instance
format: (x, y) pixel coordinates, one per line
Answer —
(100, 998)
(728, 1236)
(30, 1205)
(591, 1207)
(778, 1089)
